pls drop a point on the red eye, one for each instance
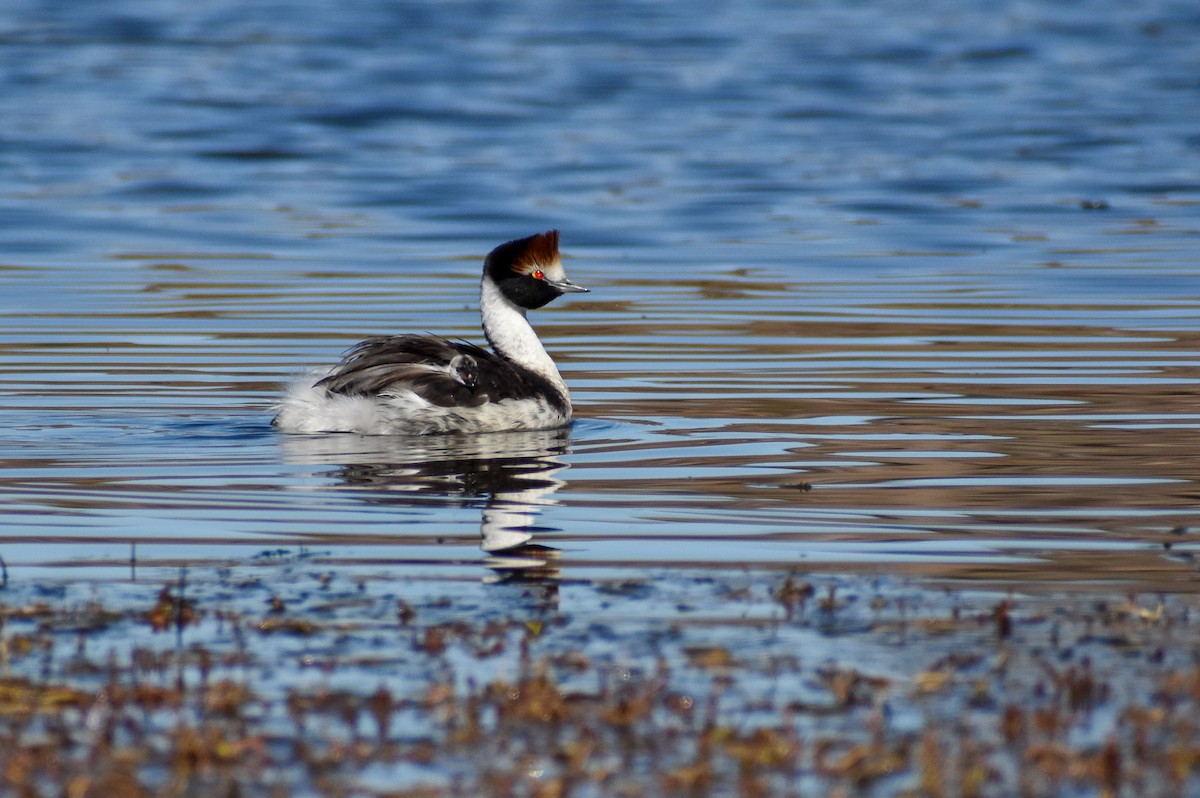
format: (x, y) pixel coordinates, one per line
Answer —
(538, 274)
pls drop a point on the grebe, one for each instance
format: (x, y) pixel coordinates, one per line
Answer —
(423, 384)
(464, 369)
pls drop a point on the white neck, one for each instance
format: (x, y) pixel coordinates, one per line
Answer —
(510, 334)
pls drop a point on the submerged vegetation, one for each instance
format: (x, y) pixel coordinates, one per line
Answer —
(279, 678)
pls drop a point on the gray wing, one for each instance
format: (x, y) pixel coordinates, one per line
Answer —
(418, 363)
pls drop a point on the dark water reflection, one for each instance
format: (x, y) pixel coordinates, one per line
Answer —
(874, 289)
(510, 477)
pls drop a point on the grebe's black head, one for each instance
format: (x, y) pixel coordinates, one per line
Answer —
(465, 369)
(528, 271)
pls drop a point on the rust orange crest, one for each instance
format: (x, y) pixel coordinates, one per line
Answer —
(536, 251)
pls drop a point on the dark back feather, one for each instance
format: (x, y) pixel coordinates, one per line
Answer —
(421, 364)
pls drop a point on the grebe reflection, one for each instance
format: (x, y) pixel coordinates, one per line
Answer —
(509, 476)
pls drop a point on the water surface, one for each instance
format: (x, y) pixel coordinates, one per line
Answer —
(894, 343)
(915, 297)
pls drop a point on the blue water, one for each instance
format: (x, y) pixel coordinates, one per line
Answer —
(892, 284)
